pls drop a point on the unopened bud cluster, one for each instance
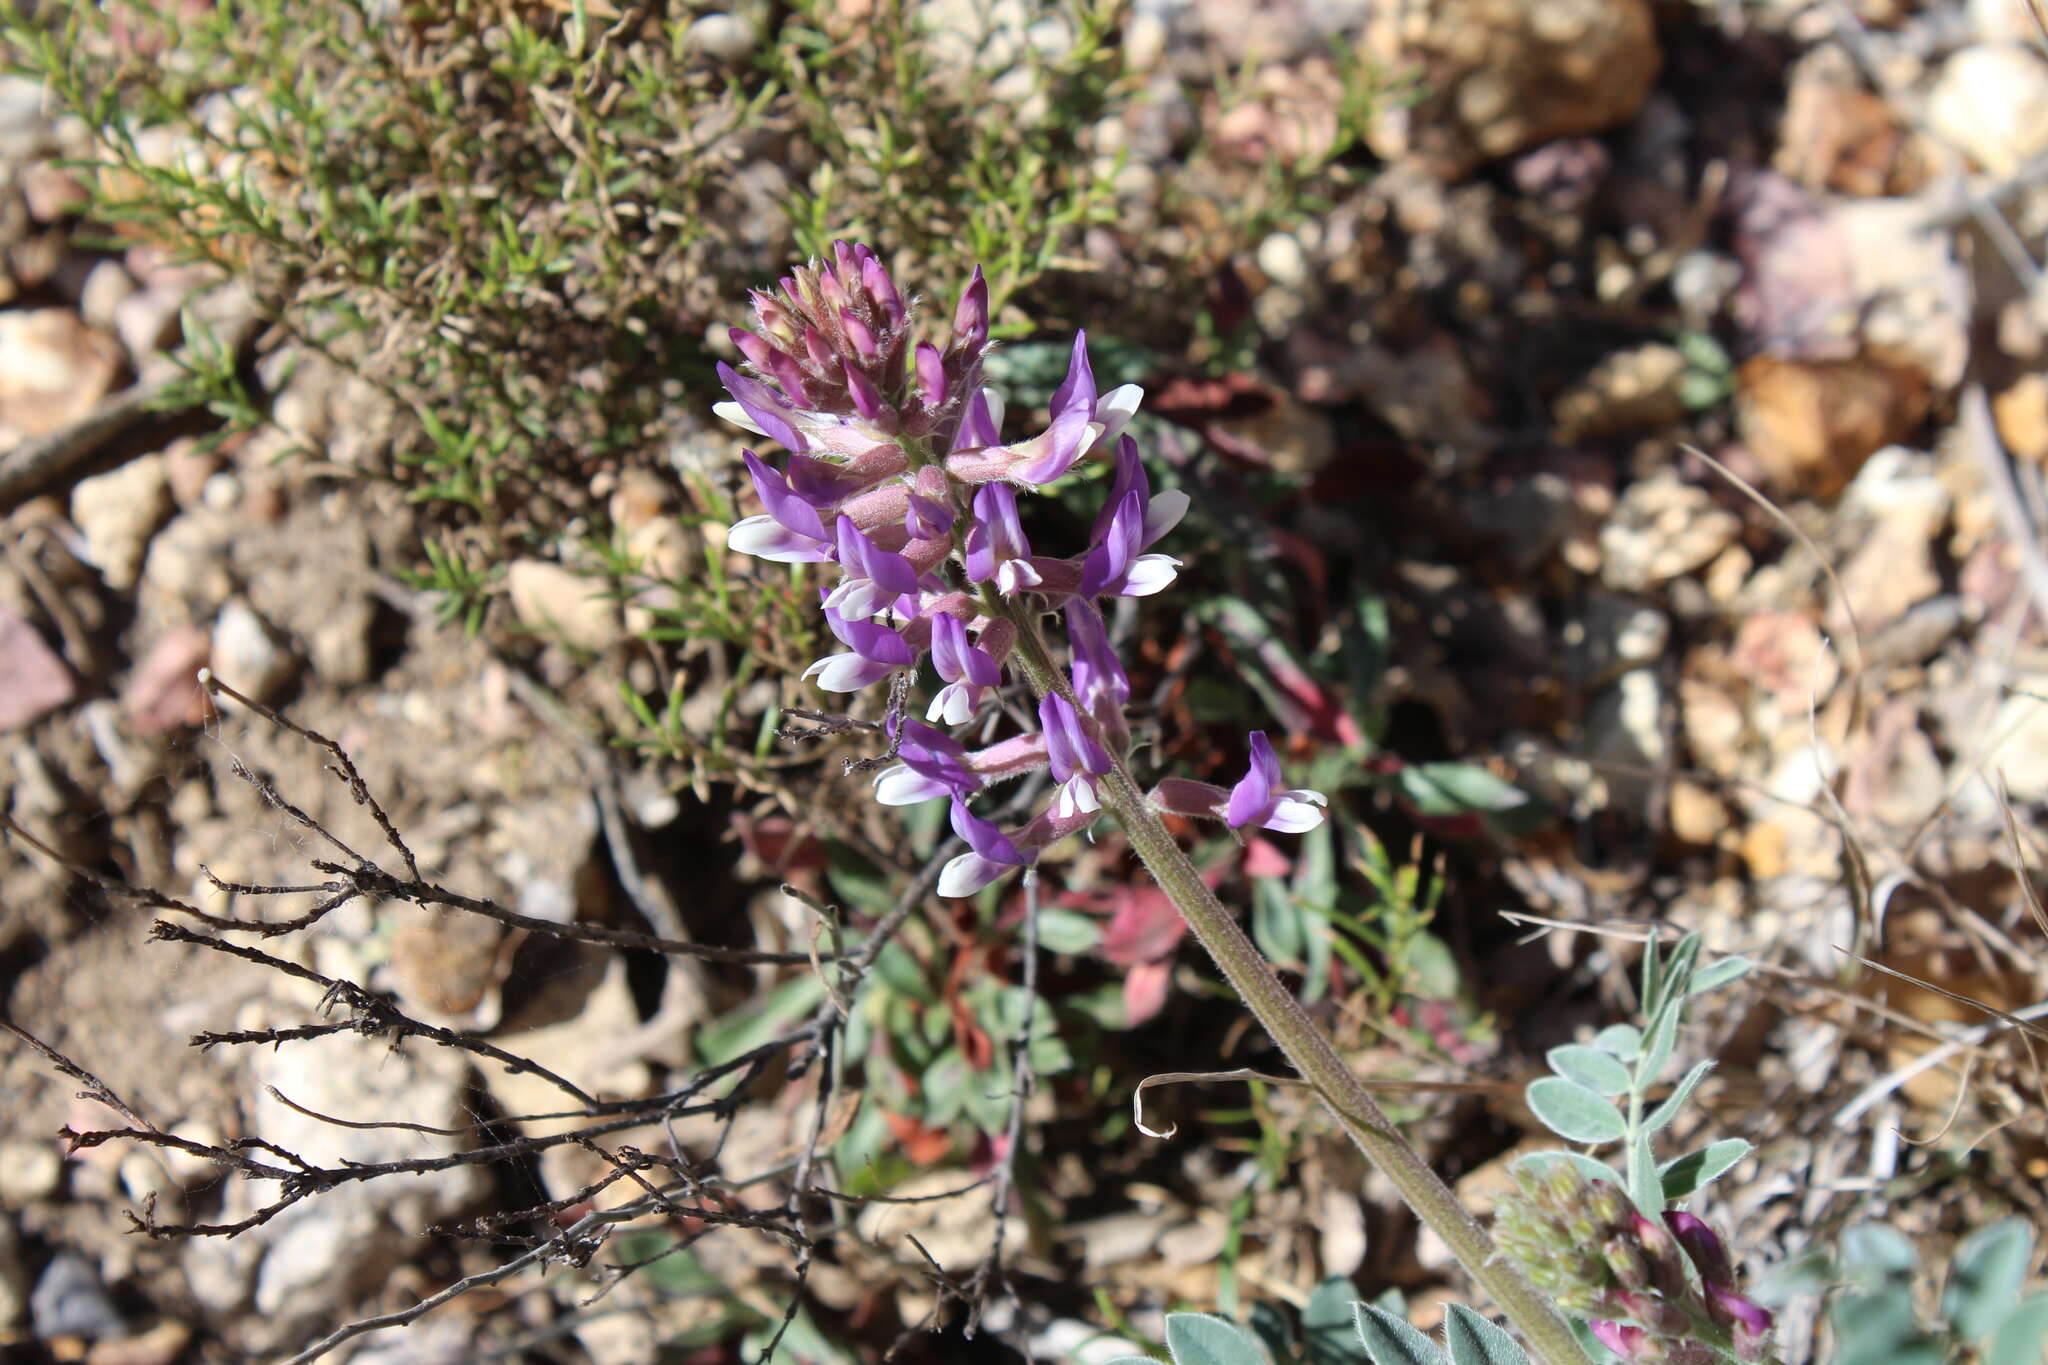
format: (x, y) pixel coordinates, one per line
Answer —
(1654, 1290)
(897, 473)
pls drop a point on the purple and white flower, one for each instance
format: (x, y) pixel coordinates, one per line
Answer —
(966, 669)
(990, 854)
(996, 547)
(1258, 800)
(1074, 755)
(874, 651)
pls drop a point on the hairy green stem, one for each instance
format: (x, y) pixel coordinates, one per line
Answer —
(1542, 1328)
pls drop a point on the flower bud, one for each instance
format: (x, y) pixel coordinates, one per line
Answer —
(1701, 1244)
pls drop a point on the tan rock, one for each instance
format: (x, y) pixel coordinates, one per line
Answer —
(53, 369)
(1504, 75)
(1697, 815)
(1662, 527)
(1630, 391)
(1991, 103)
(562, 604)
(2022, 414)
(1812, 423)
(119, 511)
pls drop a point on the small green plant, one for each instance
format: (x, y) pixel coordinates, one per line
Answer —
(1873, 1272)
(1367, 1334)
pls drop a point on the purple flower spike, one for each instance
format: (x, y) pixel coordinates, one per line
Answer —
(967, 670)
(874, 577)
(1074, 756)
(875, 651)
(931, 375)
(1115, 568)
(817, 347)
(990, 854)
(970, 318)
(790, 533)
(1257, 800)
(759, 409)
(930, 766)
(1099, 678)
(996, 547)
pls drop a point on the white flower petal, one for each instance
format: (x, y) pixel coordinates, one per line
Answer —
(1293, 817)
(764, 537)
(1115, 410)
(967, 874)
(1163, 513)
(1014, 575)
(1149, 574)
(846, 672)
(900, 786)
(737, 415)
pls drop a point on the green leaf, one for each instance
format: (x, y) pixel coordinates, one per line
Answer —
(1598, 1071)
(1873, 1256)
(1657, 1045)
(1458, 789)
(2022, 1335)
(1475, 1341)
(1880, 1329)
(1326, 1322)
(1204, 1339)
(1277, 921)
(1984, 1282)
(1625, 1041)
(1682, 1175)
(1644, 1185)
(1068, 931)
(752, 1025)
(1675, 1101)
(1573, 1112)
(1389, 1340)
(1719, 973)
(1432, 966)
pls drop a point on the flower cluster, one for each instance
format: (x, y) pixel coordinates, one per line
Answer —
(1654, 1290)
(897, 473)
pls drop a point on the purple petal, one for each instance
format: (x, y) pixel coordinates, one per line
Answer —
(859, 334)
(1110, 560)
(984, 838)
(866, 401)
(982, 426)
(760, 403)
(784, 503)
(931, 375)
(949, 647)
(1076, 392)
(970, 318)
(1251, 800)
(817, 348)
(1098, 675)
(874, 277)
(927, 518)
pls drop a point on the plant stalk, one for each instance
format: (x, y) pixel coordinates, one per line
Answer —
(1285, 1020)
